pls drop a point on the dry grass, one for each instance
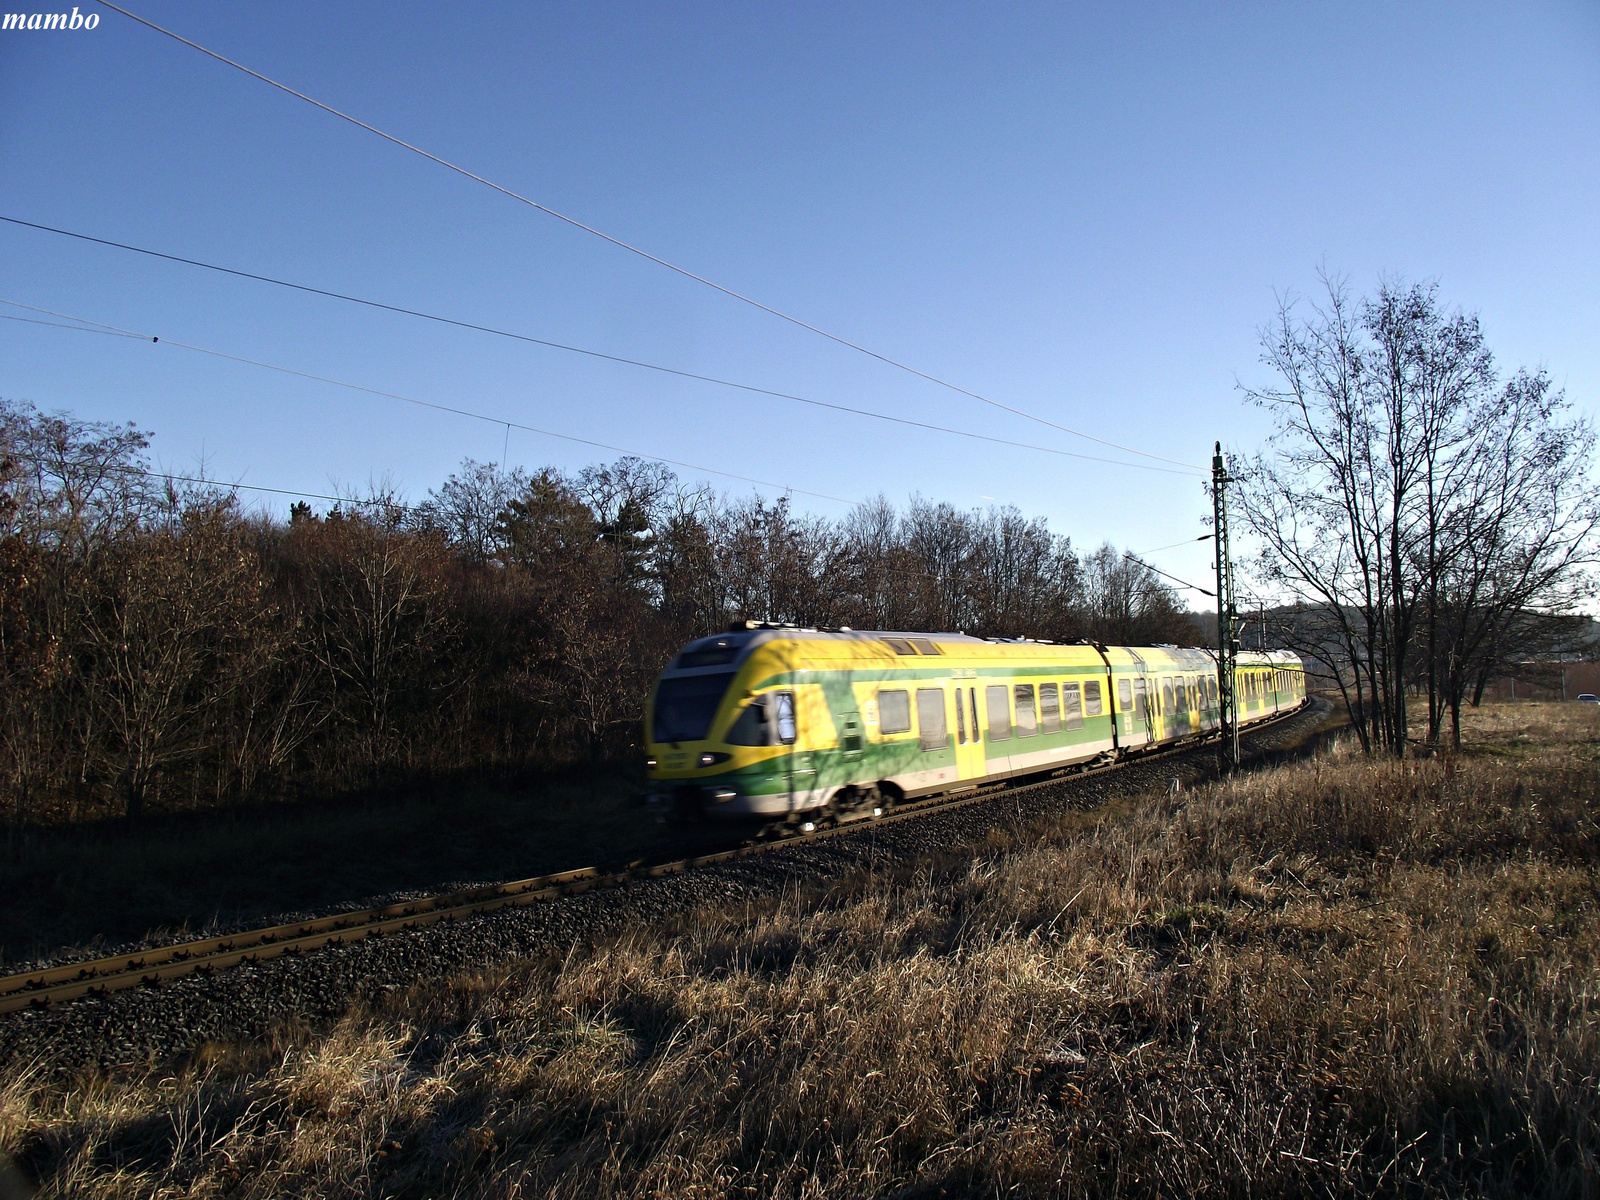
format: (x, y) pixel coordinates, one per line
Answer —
(1338, 977)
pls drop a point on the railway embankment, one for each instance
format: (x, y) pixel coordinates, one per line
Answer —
(1331, 975)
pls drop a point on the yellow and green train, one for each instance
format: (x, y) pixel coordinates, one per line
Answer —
(778, 722)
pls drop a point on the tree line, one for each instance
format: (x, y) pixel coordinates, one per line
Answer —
(163, 648)
(1429, 519)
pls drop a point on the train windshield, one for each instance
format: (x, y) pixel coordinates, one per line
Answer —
(684, 706)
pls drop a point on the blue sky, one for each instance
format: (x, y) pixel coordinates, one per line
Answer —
(1084, 212)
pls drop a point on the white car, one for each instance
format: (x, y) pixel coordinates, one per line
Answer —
(1588, 698)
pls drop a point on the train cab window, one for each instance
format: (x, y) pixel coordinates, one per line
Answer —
(1166, 695)
(894, 712)
(783, 707)
(1091, 698)
(972, 702)
(1049, 709)
(900, 645)
(930, 719)
(923, 646)
(1072, 705)
(1125, 695)
(751, 728)
(999, 712)
(1141, 705)
(685, 706)
(1027, 723)
(961, 720)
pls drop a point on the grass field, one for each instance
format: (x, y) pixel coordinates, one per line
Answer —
(1336, 977)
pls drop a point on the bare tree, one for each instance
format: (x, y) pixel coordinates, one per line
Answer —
(1388, 415)
(166, 628)
(468, 506)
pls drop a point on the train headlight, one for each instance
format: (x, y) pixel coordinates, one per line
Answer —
(723, 795)
(712, 757)
(649, 764)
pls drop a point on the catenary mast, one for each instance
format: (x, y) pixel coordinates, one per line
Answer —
(1227, 624)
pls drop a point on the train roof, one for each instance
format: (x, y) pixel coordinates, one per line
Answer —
(727, 648)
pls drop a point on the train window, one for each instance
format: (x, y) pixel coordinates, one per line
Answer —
(1027, 725)
(752, 727)
(1049, 709)
(961, 720)
(716, 655)
(1071, 706)
(894, 712)
(900, 645)
(1166, 695)
(972, 701)
(1091, 698)
(1125, 695)
(923, 646)
(1141, 707)
(999, 712)
(783, 705)
(930, 719)
(1181, 695)
(684, 706)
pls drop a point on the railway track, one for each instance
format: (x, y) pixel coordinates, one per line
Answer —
(55, 985)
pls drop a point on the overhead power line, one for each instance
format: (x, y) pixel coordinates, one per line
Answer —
(599, 354)
(1135, 558)
(126, 468)
(1204, 537)
(88, 326)
(631, 248)
(385, 502)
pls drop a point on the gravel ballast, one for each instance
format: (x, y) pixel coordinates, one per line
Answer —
(243, 1004)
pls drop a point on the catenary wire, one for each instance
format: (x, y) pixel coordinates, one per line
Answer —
(632, 249)
(1164, 575)
(217, 483)
(88, 326)
(599, 354)
(376, 502)
(1186, 542)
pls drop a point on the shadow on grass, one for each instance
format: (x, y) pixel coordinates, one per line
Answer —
(109, 884)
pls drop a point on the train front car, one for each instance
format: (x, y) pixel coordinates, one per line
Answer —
(721, 730)
(774, 722)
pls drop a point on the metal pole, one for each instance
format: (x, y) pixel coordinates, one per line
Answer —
(1227, 704)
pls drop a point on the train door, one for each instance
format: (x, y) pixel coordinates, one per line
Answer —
(970, 762)
(802, 762)
(994, 701)
(1135, 719)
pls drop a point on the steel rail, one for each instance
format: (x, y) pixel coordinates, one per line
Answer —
(72, 981)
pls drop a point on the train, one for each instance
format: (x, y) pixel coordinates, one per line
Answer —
(799, 725)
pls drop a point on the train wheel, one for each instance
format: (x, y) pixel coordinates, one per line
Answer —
(873, 802)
